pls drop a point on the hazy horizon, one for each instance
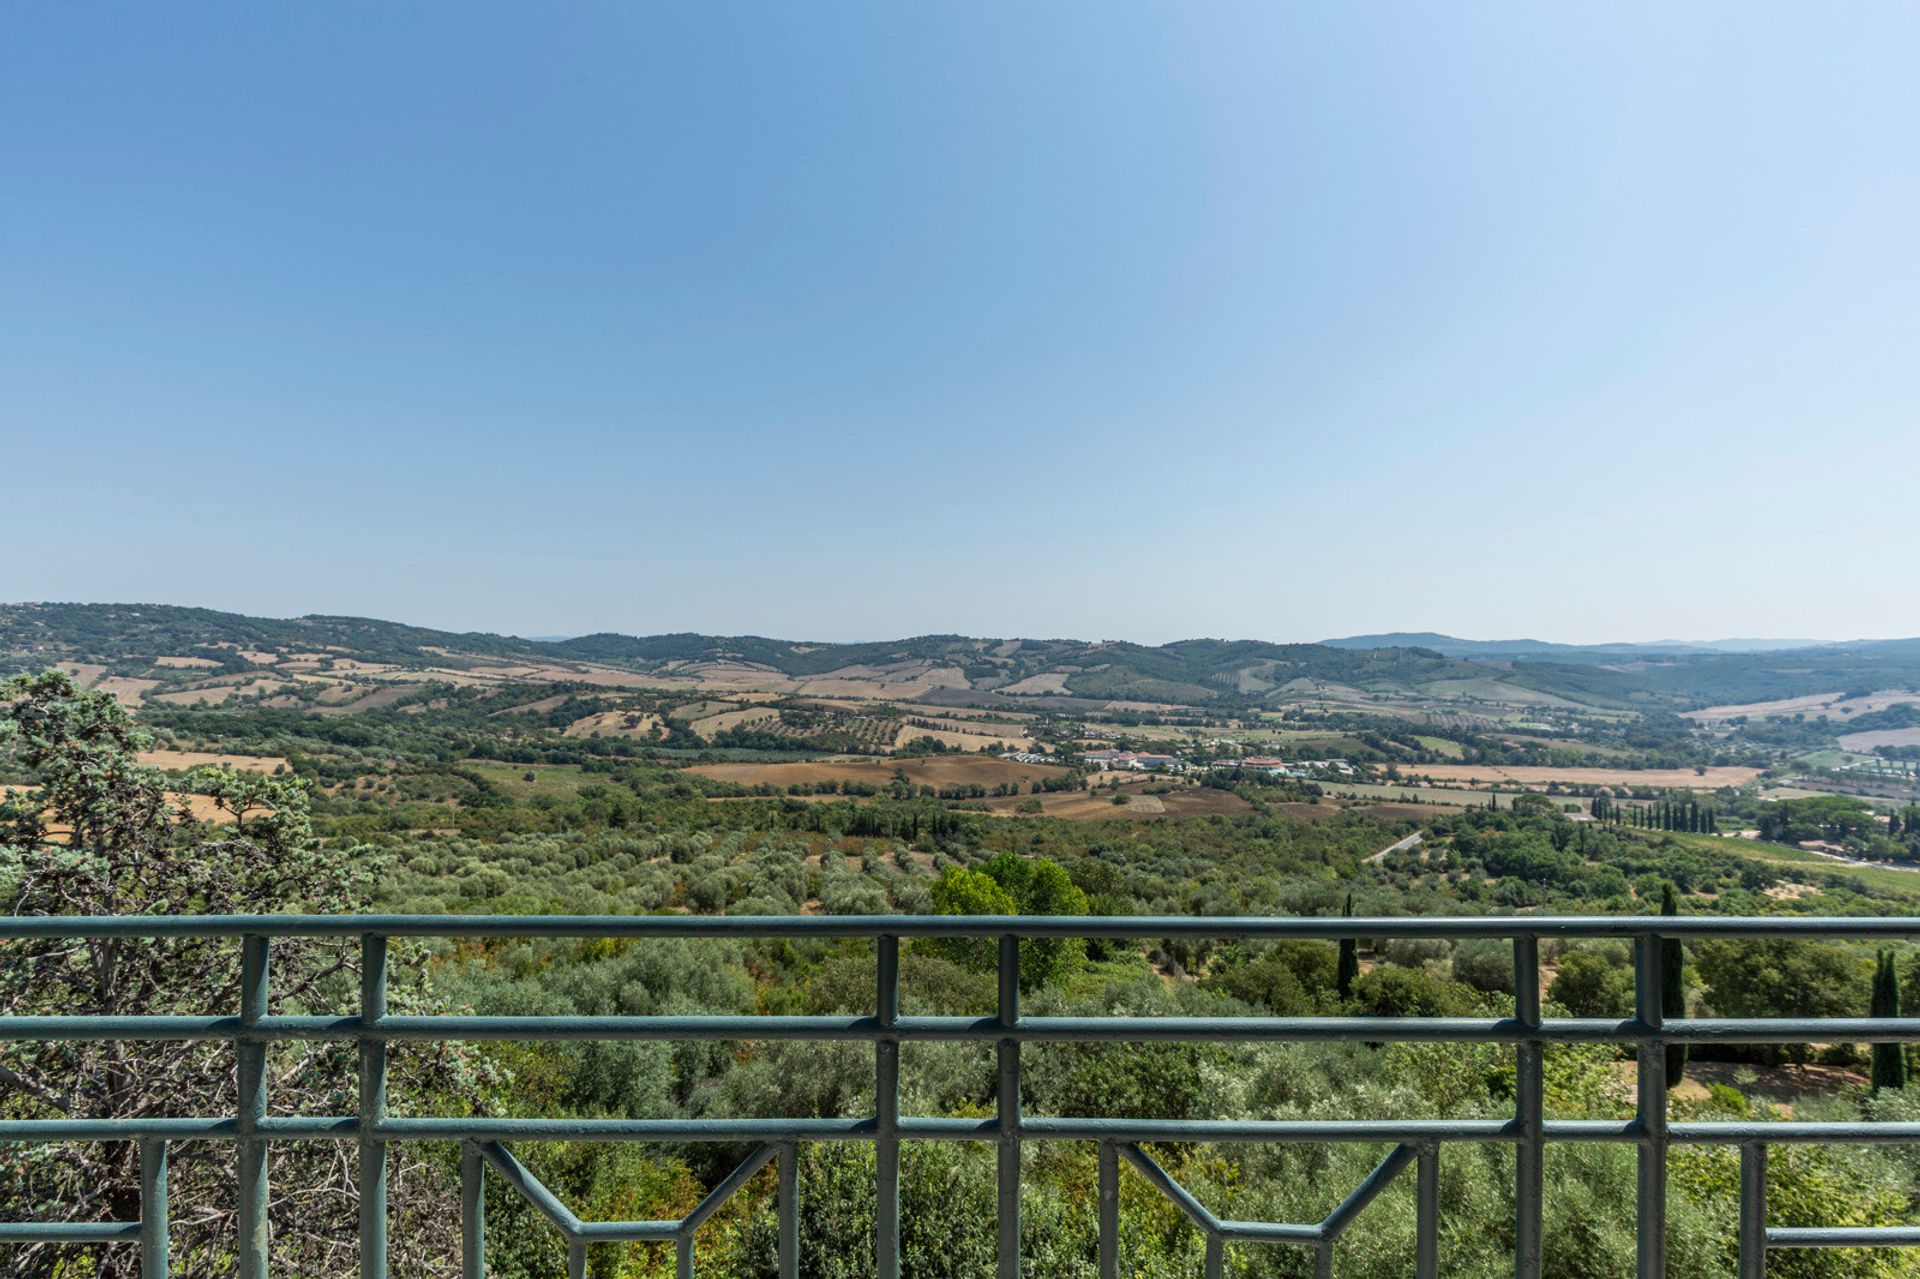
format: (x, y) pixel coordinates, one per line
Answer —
(858, 320)
(765, 632)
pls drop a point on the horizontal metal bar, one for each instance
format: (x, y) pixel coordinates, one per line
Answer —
(1269, 1232)
(343, 1128)
(1587, 1030)
(1844, 1133)
(1030, 1128)
(1844, 1237)
(69, 1231)
(1128, 926)
(627, 1231)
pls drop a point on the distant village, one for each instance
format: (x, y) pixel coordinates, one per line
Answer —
(1148, 762)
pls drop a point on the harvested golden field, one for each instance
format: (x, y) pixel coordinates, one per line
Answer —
(541, 706)
(932, 770)
(1406, 812)
(199, 805)
(966, 741)
(84, 673)
(186, 663)
(611, 724)
(687, 712)
(1833, 706)
(710, 726)
(379, 697)
(885, 687)
(197, 759)
(215, 692)
(1039, 685)
(1540, 775)
(1784, 706)
(127, 690)
(1087, 806)
(1866, 742)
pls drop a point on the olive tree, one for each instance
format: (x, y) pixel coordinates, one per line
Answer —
(92, 831)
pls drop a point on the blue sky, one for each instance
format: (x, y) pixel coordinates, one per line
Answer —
(837, 321)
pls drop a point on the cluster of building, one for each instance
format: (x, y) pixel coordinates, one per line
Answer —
(1289, 768)
(1147, 762)
(1136, 760)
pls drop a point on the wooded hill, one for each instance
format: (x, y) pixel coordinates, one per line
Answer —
(136, 640)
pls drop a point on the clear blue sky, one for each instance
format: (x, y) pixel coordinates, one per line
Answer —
(1107, 320)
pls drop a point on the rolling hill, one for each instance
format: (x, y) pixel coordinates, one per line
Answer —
(166, 654)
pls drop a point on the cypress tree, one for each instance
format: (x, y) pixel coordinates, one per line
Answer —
(1673, 986)
(1889, 1060)
(1348, 968)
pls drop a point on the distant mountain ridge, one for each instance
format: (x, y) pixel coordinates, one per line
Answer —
(1454, 646)
(188, 655)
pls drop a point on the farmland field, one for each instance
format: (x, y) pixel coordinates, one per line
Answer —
(611, 724)
(177, 760)
(932, 770)
(1883, 737)
(710, 726)
(1088, 806)
(1835, 705)
(1711, 778)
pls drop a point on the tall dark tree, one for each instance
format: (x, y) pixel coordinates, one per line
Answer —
(1889, 1060)
(1347, 971)
(1673, 985)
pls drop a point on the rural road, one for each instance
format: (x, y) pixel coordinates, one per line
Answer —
(1854, 861)
(1403, 845)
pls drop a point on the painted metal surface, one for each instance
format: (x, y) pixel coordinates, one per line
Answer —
(1413, 1143)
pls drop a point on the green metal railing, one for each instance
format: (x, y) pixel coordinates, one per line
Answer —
(1415, 1143)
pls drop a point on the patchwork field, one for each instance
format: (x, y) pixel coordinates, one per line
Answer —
(1533, 776)
(612, 724)
(1835, 705)
(964, 740)
(711, 726)
(1090, 806)
(1884, 737)
(181, 760)
(932, 770)
(199, 805)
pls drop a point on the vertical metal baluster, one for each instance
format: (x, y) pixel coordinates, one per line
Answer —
(1109, 1211)
(473, 1213)
(789, 1207)
(251, 1072)
(1217, 1256)
(373, 1109)
(1322, 1262)
(577, 1258)
(1753, 1211)
(153, 1210)
(1426, 1243)
(682, 1257)
(1529, 1189)
(1651, 1253)
(886, 1053)
(1009, 1111)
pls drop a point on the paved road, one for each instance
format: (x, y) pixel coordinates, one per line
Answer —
(1400, 847)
